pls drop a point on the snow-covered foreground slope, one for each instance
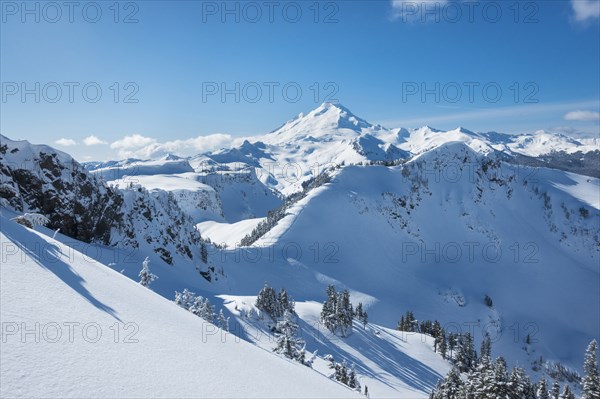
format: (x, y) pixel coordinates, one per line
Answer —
(72, 327)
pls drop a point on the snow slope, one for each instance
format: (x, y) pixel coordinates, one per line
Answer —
(229, 234)
(437, 235)
(129, 342)
(392, 364)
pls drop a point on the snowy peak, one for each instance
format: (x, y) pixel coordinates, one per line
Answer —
(323, 121)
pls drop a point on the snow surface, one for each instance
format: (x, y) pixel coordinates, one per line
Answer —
(387, 234)
(229, 234)
(161, 350)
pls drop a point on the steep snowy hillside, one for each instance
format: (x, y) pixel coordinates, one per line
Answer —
(436, 236)
(74, 328)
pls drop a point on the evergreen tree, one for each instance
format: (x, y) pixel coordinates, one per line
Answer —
(337, 312)
(567, 394)
(520, 385)
(352, 380)
(450, 388)
(361, 314)
(555, 392)
(442, 347)
(205, 310)
(542, 390)
(345, 312)
(285, 302)
(501, 380)
(452, 341)
(486, 346)
(329, 309)
(591, 380)
(146, 277)
(267, 302)
(466, 358)
(222, 321)
(341, 372)
(184, 299)
(287, 342)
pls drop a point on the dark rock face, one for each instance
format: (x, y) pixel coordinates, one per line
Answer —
(85, 208)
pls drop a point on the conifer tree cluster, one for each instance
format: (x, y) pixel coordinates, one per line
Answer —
(343, 373)
(361, 315)
(337, 312)
(197, 305)
(489, 379)
(408, 323)
(441, 343)
(273, 304)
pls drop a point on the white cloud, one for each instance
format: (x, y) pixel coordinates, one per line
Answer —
(138, 146)
(584, 116)
(413, 10)
(586, 9)
(132, 142)
(93, 140)
(66, 142)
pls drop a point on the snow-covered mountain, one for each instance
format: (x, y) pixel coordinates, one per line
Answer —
(38, 178)
(331, 135)
(481, 231)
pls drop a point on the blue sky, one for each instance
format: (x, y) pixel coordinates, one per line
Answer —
(442, 63)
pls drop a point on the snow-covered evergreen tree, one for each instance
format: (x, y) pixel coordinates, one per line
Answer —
(352, 380)
(521, 386)
(591, 379)
(450, 388)
(345, 312)
(486, 346)
(197, 305)
(146, 277)
(442, 345)
(501, 379)
(266, 301)
(361, 314)
(287, 343)
(567, 394)
(337, 312)
(184, 299)
(466, 358)
(285, 302)
(555, 391)
(206, 310)
(222, 321)
(329, 306)
(542, 390)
